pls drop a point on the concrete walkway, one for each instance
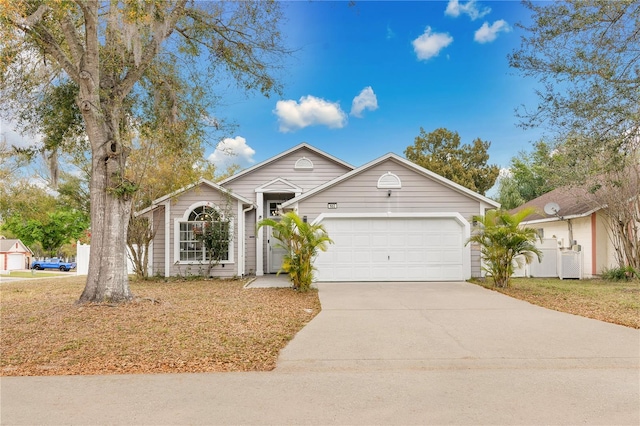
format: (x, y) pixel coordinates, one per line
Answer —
(410, 353)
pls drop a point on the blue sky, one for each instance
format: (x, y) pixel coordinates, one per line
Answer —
(363, 79)
(416, 64)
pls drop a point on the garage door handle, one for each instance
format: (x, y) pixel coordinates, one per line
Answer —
(388, 257)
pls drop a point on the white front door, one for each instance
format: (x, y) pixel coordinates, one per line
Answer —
(275, 253)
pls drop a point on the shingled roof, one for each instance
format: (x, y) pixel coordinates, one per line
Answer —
(573, 202)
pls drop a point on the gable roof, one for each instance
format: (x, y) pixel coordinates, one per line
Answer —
(572, 201)
(283, 154)
(155, 203)
(7, 244)
(410, 165)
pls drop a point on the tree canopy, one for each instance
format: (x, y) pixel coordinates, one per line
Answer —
(441, 152)
(133, 69)
(531, 174)
(585, 55)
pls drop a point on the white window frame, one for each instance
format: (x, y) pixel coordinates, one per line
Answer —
(185, 218)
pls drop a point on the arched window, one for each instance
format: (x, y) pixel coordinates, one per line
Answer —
(390, 181)
(205, 236)
(303, 164)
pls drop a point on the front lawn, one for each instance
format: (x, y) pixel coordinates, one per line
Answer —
(179, 326)
(610, 301)
(39, 274)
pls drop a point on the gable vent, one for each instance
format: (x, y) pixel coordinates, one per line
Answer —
(304, 164)
(389, 180)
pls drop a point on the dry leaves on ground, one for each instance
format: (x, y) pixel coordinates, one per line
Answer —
(188, 326)
(609, 301)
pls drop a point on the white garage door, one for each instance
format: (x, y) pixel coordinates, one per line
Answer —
(15, 261)
(393, 249)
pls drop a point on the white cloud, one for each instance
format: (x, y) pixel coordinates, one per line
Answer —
(365, 100)
(487, 34)
(309, 111)
(13, 137)
(232, 151)
(390, 33)
(430, 44)
(454, 9)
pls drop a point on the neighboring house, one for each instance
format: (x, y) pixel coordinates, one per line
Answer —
(577, 226)
(14, 255)
(390, 219)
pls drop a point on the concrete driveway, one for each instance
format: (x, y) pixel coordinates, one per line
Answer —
(393, 353)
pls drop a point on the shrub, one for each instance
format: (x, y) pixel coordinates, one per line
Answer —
(301, 242)
(501, 239)
(620, 273)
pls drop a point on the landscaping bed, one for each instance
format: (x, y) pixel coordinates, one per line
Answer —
(617, 302)
(176, 326)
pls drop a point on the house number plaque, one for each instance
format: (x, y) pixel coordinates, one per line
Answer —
(332, 205)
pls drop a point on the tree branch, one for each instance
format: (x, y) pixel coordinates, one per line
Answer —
(150, 51)
(72, 38)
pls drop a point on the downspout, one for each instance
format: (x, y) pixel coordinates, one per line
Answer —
(243, 263)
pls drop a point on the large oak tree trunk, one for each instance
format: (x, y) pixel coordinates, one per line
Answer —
(111, 203)
(107, 280)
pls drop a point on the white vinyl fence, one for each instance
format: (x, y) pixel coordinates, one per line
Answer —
(548, 268)
(82, 260)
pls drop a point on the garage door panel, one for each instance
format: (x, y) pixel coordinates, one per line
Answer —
(360, 241)
(378, 256)
(397, 249)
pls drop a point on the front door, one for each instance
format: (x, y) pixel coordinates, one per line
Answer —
(275, 253)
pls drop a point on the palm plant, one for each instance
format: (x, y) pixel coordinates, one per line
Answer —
(301, 242)
(501, 239)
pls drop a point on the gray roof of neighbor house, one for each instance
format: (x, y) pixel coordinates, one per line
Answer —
(573, 202)
(7, 244)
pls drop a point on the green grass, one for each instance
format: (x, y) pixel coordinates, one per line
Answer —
(617, 302)
(38, 274)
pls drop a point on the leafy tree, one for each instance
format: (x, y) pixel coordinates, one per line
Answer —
(585, 55)
(440, 151)
(531, 174)
(60, 228)
(508, 195)
(130, 59)
(501, 239)
(23, 199)
(301, 242)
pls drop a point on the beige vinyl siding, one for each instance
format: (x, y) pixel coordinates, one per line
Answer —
(158, 241)
(323, 171)
(419, 194)
(183, 203)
